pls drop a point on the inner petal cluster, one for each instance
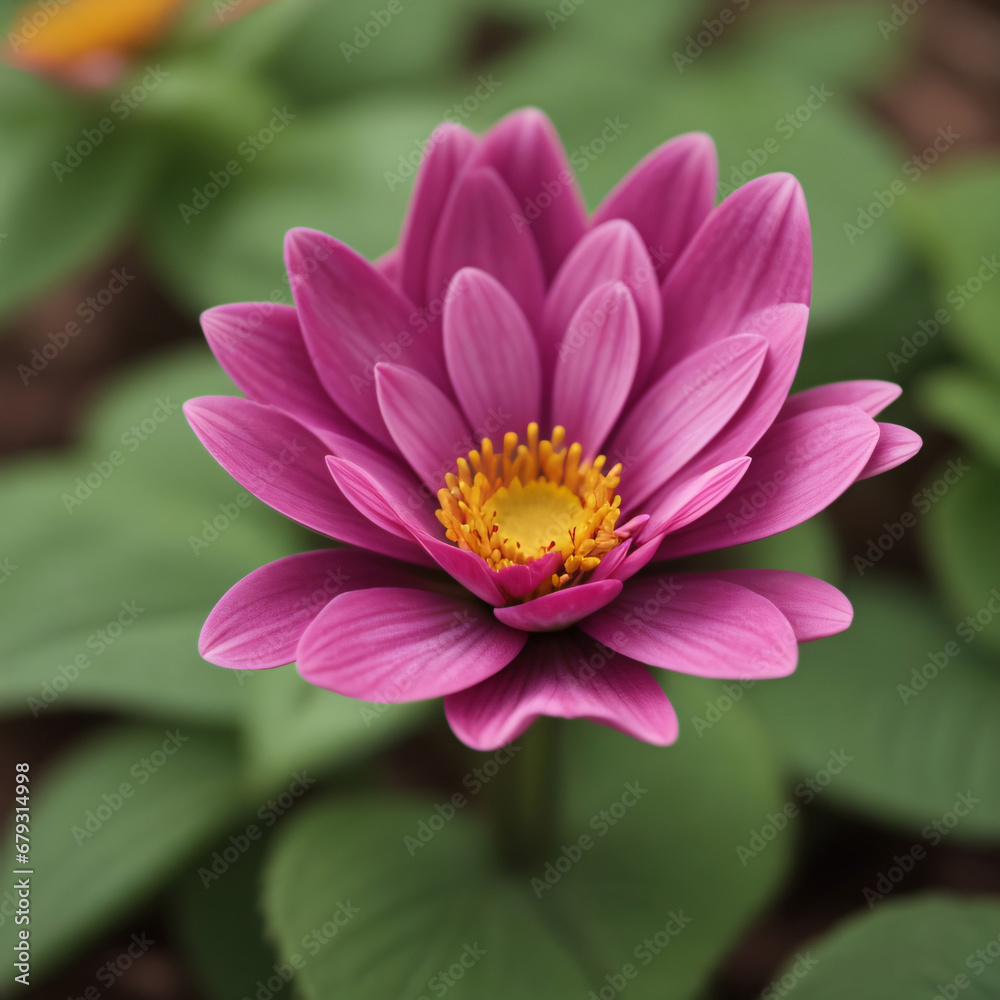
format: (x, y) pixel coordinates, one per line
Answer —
(530, 500)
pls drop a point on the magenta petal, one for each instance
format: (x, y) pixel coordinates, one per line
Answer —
(695, 625)
(611, 252)
(784, 329)
(260, 346)
(428, 430)
(480, 229)
(567, 677)
(352, 318)
(896, 445)
(526, 152)
(411, 515)
(516, 582)
(259, 621)
(753, 251)
(282, 463)
(391, 644)
(871, 395)
(799, 467)
(686, 501)
(813, 607)
(667, 196)
(561, 608)
(491, 355)
(600, 349)
(446, 153)
(683, 411)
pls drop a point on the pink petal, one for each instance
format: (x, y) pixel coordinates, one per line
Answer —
(813, 608)
(391, 644)
(516, 582)
(260, 346)
(666, 196)
(799, 467)
(611, 252)
(568, 677)
(491, 355)
(411, 516)
(390, 266)
(283, 464)
(446, 153)
(596, 366)
(784, 328)
(872, 395)
(352, 319)
(753, 251)
(259, 621)
(686, 501)
(525, 151)
(479, 229)
(561, 608)
(428, 430)
(694, 625)
(896, 445)
(683, 411)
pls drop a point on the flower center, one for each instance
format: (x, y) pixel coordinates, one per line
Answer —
(531, 500)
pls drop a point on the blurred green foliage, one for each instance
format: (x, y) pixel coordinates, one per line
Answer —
(782, 90)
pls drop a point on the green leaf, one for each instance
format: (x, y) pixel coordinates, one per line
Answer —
(328, 170)
(109, 824)
(966, 404)
(221, 930)
(956, 217)
(58, 221)
(291, 724)
(398, 890)
(83, 551)
(962, 537)
(905, 697)
(932, 946)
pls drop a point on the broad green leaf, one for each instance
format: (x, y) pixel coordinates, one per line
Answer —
(933, 946)
(221, 930)
(966, 404)
(290, 724)
(357, 916)
(956, 217)
(110, 823)
(62, 209)
(962, 537)
(418, 885)
(905, 695)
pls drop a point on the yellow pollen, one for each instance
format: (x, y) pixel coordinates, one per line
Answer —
(532, 499)
(81, 27)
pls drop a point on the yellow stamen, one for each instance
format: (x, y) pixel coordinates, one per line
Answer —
(71, 31)
(530, 500)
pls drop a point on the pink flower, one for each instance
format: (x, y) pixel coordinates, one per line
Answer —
(447, 411)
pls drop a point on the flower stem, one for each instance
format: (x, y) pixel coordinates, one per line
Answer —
(526, 799)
